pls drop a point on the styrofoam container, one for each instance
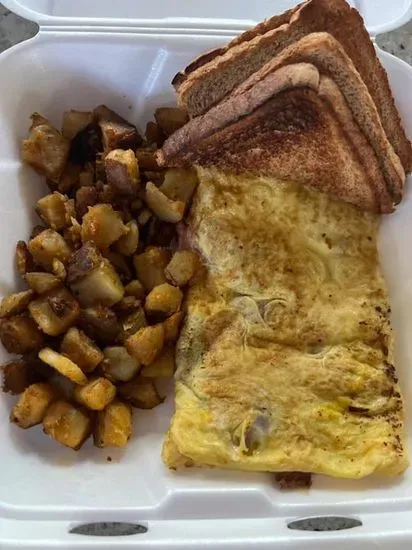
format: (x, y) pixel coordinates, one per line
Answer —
(124, 54)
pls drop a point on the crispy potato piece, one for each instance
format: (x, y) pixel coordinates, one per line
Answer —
(140, 393)
(45, 150)
(47, 246)
(96, 394)
(100, 323)
(127, 245)
(170, 119)
(165, 209)
(24, 260)
(179, 184)
(74, 122)
(150, 266)
(163, 299)
(85, 197)
(102, 225)
(32, 405)
(154, 134)
(42, 282)
(146, 344)
(20, 334)
(182, 267)
(67, 424)
(83, 261)
(133, 322)
(59, 269)
(144, 216)
(122, 171)
(55, 311)
(78, 347)
(114, 425)
(69, 178)
(17, 376)
(134, 288)
(146, 159)
(52, 210)
(117, 133)
(100, 286)
(171, 327)
(162, 367)
(15, 303)
(63, 365)
(119, 365)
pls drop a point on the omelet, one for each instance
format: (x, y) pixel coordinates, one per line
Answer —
(285, 361)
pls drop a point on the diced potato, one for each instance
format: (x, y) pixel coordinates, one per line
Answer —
(114, 425)
(15, 303)
(100, 286)
(171, 327)
(85, 196)
(17, 376)
(146, 344)
(182, 267)
(117, 133)
(141, 393)
(127, 305)
(120, 263)
(45, 150)
(170, 119)
(146, 159)
(144, 216)
(32, 405)
(133, 322)
(165, 209)
(179, 184)
(67, 424)
(47, 246)
(102, 225)
(78, 347)
(63, 365)
(122, 171)
(154, 134)
(55, 311)
(42, 282)
(101, 324)
(150, 267)
(24, 260)
(119, 364)
(69, 178)
(96, 394)
(20, 334)
(83, 261)
(163, 299)
(59, 269)
(162, 367)
(72, 235)
(53, 211)
(74, 122)
(127, 245)
(134, 288)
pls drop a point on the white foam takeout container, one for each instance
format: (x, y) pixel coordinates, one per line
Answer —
(124, 54)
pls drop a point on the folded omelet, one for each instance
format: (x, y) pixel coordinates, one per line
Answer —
(285, 361)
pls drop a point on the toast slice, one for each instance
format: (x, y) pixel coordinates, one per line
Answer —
(207, 80)
(294, 125)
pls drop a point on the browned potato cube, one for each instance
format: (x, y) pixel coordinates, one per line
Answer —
(134, 288)
(170, 119)
(42, 282)
(146, 159)
(63, 365)
(24, 260)
(47, 246)
(150, 267)
(83, 261)
(162, 367)
(55, 311)
(17, 376)
(117, 133)
(96, 394)
(171, 327)
(114, 425)
(102, 225)
(85, 197)
(101, 286)
(78, 347)
(133, 322)
(74, 122)
(146, 344)
(52, 210)
(32, 405)
(67, 424)
(128, 304)
(46, 150)
(140, 393)
(179, 184)
(165, 209)
(101, 324)
(15, 303)
(119, 364)
(154, 134)
(163, 299)
(127, 245)
(20, 334)
(122, 171)
(182, 267)
(120, 263)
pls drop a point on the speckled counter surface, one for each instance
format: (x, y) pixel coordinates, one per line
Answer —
(14, 29)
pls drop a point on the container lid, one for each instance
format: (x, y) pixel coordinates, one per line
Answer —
(231, 15)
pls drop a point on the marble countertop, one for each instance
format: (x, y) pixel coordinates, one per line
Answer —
(14, 29)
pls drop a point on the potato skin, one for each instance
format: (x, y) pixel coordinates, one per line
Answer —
(140, 393)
